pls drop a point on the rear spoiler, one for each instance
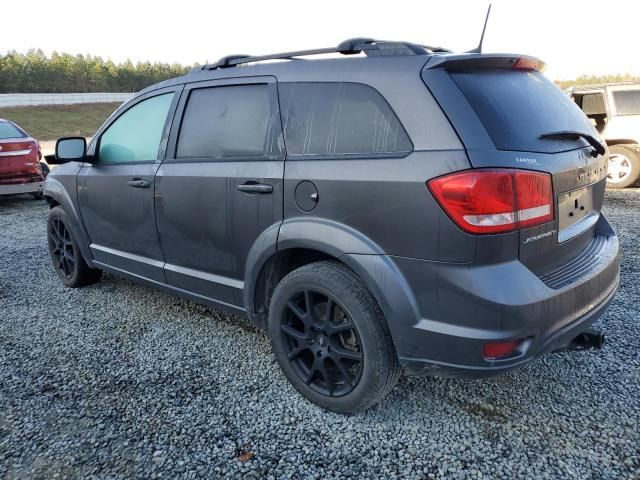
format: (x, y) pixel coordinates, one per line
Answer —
(469, 61)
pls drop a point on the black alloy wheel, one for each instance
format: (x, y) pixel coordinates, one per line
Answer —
(322, 343)
(62, 250)
(66, 257)
(331, 339)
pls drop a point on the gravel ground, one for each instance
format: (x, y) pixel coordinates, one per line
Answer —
(118, 380)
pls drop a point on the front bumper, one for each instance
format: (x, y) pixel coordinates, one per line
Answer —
(462, 307)
(18, 188)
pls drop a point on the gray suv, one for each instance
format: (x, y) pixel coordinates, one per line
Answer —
(398, 208)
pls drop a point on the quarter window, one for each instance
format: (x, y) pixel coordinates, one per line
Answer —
(340, 119)
(135, 136)
(230, 122)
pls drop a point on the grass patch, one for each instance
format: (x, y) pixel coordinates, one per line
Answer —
(50, 122)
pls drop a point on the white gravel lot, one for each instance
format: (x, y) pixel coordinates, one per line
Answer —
(118, 381)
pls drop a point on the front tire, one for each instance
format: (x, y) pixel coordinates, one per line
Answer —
(624, 167)
(66, 257)
(331, 339)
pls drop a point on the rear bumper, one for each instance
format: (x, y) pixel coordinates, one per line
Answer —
(554, 341)
(18, 188)
(462, 307)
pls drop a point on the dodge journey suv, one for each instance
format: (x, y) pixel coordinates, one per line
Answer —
(399, 208)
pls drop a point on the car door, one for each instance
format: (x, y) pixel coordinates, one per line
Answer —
(116, 191)
(220, 185)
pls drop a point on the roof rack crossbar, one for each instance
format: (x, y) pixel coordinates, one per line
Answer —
(351, 46)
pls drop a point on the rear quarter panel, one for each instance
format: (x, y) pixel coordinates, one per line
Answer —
(384, 200)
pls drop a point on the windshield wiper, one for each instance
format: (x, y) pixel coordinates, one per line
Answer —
(575, 135)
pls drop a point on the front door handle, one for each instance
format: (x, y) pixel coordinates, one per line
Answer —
(139, 183)
(255, 188)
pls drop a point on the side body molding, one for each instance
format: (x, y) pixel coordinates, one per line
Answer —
(61, 188)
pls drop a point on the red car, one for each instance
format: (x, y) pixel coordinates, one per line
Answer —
(20, 168)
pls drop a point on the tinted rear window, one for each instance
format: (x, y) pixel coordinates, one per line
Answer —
(9, 130)
(627, 102)
(516, 107)
(340, 119)
(230, 122)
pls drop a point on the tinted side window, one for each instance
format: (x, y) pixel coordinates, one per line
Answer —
(627, 102)
(328, 119)
(230, 122)
(135, 136)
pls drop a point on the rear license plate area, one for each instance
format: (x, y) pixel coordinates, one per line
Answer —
(575, 213)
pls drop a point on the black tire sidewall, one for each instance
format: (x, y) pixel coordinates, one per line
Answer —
(365, 318)
(634, 158)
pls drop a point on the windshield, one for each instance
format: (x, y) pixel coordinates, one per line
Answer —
(517, 107)
(627, 102)
(9, 130)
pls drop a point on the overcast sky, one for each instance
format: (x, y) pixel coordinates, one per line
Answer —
(573, 37)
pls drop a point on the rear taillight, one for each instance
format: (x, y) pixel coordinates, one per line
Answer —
(495, 200)
(19, 149)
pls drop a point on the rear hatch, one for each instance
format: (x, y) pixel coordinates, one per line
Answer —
(508, 115)
(19, 156)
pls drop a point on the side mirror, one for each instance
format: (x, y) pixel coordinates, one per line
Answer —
(70, 149)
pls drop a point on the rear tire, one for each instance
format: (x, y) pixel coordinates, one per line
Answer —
(331, 339)
(66, 257)
(624, 167)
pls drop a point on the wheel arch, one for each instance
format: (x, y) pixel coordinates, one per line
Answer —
(57, 195)
(302, 241)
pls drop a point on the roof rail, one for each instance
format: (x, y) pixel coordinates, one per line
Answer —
(352, 46)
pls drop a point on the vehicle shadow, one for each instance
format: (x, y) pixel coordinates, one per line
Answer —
(18, 201)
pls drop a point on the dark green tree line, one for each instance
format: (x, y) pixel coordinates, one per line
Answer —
(597, 80)
(34, 72)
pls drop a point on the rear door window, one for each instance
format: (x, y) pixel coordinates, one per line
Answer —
(230, 122)
(516, 107)
(627, 102)
(338, 120)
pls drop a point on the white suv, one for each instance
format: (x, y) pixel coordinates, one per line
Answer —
(615, 111)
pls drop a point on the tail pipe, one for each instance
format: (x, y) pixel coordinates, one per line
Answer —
(587, 340)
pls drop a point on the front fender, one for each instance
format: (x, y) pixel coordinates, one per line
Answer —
(60, 186)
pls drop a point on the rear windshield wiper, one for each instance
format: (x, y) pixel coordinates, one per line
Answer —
(574, 135)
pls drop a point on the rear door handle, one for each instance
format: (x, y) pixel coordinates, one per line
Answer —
(255, 188)
(139, 183)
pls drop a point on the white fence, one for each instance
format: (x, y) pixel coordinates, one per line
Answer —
(27, 99)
